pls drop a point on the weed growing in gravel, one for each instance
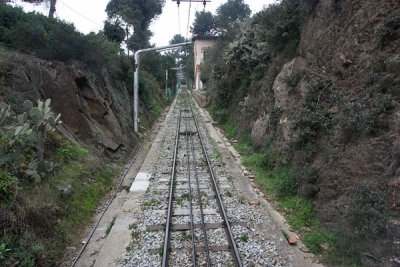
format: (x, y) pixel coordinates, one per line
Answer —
(133, 226)
(150, 203)
(135, 235)
(161, 251)
(244, 238)
(285, 234)
(228, 193)
(185, 237)
(185, 196)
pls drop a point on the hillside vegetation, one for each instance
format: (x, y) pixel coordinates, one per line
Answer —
(55, 171)
(310, 90)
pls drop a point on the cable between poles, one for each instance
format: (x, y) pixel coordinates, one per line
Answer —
(187, 29)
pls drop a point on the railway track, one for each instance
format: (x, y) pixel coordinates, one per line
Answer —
(192, 211)
(190, 158)
(191, 214)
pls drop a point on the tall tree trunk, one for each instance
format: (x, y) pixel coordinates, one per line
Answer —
(52, 8)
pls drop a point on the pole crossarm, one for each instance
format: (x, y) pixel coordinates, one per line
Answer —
(136, 78)
(193, 1)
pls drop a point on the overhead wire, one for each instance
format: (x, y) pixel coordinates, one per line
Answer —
(79, 14)
(179, 20)
(187, 29)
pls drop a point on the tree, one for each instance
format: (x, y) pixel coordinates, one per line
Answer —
(137, 16)
(204, 25)
(114, 31)
(52, 3)
(180, 53)
(230, 13)
(177, 39)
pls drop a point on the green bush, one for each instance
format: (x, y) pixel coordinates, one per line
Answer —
(365, 116)
(287, 184)
(22, 250)
(53, 39)
(230, 129)
(70, 152)
(270, 31)
(314, 240)
(299, 212)
(368, 211)
(334, 246)
(8, 186)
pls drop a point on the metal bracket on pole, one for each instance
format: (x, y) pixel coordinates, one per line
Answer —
(193, 1)
(136, 78)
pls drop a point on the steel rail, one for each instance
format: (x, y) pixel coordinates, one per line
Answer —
(203, 225)
(231, 240)
(166, 248)
(190, 193)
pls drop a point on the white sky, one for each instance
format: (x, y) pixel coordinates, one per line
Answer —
(89, 15)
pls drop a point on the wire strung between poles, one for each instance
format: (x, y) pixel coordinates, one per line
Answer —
(187, 29)
(179, 20)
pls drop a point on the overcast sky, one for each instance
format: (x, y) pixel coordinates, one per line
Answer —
(89, 15)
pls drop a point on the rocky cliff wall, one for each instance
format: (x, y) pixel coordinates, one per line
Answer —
(95, 109)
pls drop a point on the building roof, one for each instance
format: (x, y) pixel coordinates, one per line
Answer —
(195, 38)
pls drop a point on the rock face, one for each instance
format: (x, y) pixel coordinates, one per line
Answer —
(333, 111)
(94, 109)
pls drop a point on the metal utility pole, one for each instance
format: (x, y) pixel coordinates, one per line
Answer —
(166, 82)
(136, 78)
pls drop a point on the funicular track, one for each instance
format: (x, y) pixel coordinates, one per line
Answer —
(194, 167)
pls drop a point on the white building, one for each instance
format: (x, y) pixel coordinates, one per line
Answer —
(200, 49)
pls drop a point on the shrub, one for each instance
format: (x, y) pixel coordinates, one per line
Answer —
(335, 247)
(287, 183)
(270, 31)
(313, 118)
(368, 211)
(314, 240)
(365, 116)
(70, 152)
(274, 116)
(8, 186)
(293, 79)
(389, 30)
(299, 212)
(53, 39)
(309, 125)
